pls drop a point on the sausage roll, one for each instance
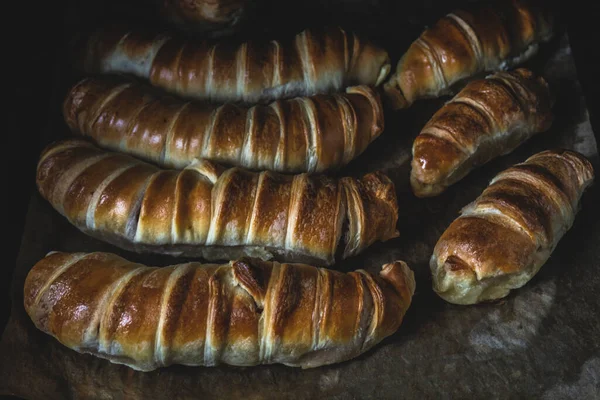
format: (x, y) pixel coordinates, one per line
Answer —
(312, 62)
(501, 240)
(213, 213)
(305, 134)
(244, 313)
(488, 118)
(464, 43)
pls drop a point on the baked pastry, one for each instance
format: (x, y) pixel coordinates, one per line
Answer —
(488, 118)
(214, 17)
(501, 240)
(487, 37)
(305, 134)
(213, 213)
(314, 61)
(246, 312)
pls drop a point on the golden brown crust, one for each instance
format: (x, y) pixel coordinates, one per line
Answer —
(488, 118)
(247, 312)
(464, 43)
(314, 61)
(374, 198)
(310, 134)
(214, 213)
(503, 238)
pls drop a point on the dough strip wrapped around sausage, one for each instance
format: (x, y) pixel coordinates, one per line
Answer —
(465, 43)
(502, 239)
(488, 118)
(312, 62)
(213, 213)
(244, 313)
(305, 134)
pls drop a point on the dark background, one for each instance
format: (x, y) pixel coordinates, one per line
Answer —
(34, 101)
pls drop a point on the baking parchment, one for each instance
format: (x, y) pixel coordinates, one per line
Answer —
(542, 341)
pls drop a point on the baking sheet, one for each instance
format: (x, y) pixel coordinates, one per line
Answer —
(541, 341)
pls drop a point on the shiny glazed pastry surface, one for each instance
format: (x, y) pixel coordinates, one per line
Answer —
(312, 62)
(219, 214)
(244, 313)
(305, 134)
(501, 240)
(488, 118)
(488, 37)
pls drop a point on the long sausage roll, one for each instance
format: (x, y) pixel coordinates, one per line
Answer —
(213, 213)
(465, 43)
(488, 118)
(314, 61)
(243, 313)
(305, 134)
(502, 239)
